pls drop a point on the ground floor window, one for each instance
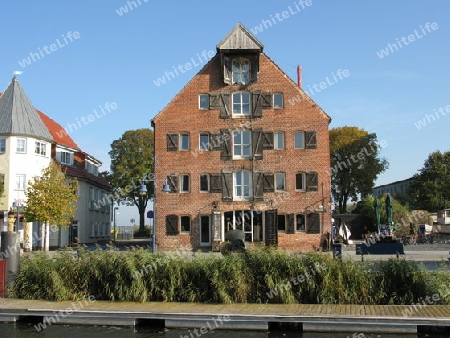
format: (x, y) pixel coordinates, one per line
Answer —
(247, 220)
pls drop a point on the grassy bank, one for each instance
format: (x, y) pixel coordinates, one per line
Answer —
(257, 276)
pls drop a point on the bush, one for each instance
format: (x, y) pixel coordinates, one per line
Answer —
(264, 275)
(146, 233)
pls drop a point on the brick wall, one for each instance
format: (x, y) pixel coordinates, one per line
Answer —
(183, 115)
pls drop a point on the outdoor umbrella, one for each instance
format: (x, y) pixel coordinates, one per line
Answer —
(389, 211)
(376, 205)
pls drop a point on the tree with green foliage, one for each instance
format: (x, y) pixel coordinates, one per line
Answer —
(355, 164)
(132, 164)
(431, 188)
(51, 198)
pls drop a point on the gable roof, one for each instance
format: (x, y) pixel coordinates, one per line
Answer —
(18, 115)
(58, 133)
(240, 39)
(78, 170)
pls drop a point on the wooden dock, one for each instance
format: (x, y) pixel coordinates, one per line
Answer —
(304, 317)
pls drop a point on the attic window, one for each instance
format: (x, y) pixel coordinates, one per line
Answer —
(241, 71)
(66, 158)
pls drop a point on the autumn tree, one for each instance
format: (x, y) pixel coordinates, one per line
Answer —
(132, 164)
(431, 188)
(355, 164)
(51, 198)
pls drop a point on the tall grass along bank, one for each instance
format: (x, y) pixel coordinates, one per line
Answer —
(256, 276)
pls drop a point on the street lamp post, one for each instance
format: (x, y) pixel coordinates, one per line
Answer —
(143, 192)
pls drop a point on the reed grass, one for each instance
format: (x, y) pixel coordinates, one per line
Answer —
(263, 275)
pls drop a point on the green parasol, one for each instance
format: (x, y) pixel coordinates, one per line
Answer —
(389, 211)
(376, 205)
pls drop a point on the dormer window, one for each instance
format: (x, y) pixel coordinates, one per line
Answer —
(241, 71)
(65, 157)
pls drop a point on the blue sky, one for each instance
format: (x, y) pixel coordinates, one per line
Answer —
(117, 59)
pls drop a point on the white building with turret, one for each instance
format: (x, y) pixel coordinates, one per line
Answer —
(29, 139)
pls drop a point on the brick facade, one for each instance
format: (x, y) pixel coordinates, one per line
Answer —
(183, 116)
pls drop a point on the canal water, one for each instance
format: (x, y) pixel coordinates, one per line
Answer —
(27, 330)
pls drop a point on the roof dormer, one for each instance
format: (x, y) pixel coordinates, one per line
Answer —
(239, 54)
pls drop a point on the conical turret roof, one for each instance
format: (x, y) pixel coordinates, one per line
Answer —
(18, 116)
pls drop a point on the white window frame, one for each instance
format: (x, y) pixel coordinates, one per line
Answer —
(2, 145)
(241, 108)
(96, 196)
(296, 135)
(40, 148)
(203, 101)
(202, 145)
(242, 149)
(21, 180)
(276, 141)
(22, 149)
(208, 182)
(182, 145)
(92, 229)
(91, 198)
(303, 175)
(303, 229)
(240, 69)
(63, 157)
(182, 179)
(280, 180)
(277, 106)
(181, 225)
(242, 185)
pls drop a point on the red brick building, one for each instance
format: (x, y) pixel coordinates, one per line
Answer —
(238, 156)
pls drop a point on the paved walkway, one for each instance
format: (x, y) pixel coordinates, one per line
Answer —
(411, 254)
(312, 318)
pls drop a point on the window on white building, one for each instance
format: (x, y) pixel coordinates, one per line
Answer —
(41, 148)
(21, 145)
(66, 157)
(20, 181)
(2, 145)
